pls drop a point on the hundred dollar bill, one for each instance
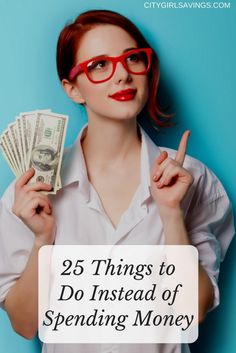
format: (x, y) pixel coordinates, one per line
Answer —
(16, 141)
(13, 135)
(27, 127)
(20, 139)
(46, 148)
(6, 156)
(5, 138)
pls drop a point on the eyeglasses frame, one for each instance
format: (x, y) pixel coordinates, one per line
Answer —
(82, 67)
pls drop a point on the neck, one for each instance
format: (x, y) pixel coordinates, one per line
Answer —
(110, 142)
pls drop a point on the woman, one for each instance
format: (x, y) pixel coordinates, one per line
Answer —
(118, 187)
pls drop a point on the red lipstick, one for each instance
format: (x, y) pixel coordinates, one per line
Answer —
(124, 95)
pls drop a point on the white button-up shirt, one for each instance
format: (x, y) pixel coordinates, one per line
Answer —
(81, 219)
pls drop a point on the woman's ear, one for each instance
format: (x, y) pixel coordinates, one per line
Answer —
(72, 91)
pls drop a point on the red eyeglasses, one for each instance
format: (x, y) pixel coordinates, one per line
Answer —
(100, 69)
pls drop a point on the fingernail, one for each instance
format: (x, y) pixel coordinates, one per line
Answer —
(154, 178)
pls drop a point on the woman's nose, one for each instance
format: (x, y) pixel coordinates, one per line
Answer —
(120, 73)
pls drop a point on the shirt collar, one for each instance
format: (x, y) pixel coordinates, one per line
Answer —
(74, 166)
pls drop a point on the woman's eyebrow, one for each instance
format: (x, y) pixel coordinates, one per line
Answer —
(101, 55)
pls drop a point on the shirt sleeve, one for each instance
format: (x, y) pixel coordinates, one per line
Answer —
(210, 225)
(16, 241)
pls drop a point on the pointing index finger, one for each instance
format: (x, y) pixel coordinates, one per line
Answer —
(180, 155)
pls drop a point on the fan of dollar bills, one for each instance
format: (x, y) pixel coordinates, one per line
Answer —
(36, 139)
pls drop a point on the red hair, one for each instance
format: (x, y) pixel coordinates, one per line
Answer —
(68, 44)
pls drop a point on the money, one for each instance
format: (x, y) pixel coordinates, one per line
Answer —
(36, 140)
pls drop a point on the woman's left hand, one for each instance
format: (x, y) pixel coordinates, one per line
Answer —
(169, 180)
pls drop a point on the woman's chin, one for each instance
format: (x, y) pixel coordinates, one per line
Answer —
(125, 113)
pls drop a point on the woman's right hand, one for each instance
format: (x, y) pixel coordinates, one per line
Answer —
(34, 208)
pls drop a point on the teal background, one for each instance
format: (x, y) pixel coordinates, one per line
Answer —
(197, 54)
